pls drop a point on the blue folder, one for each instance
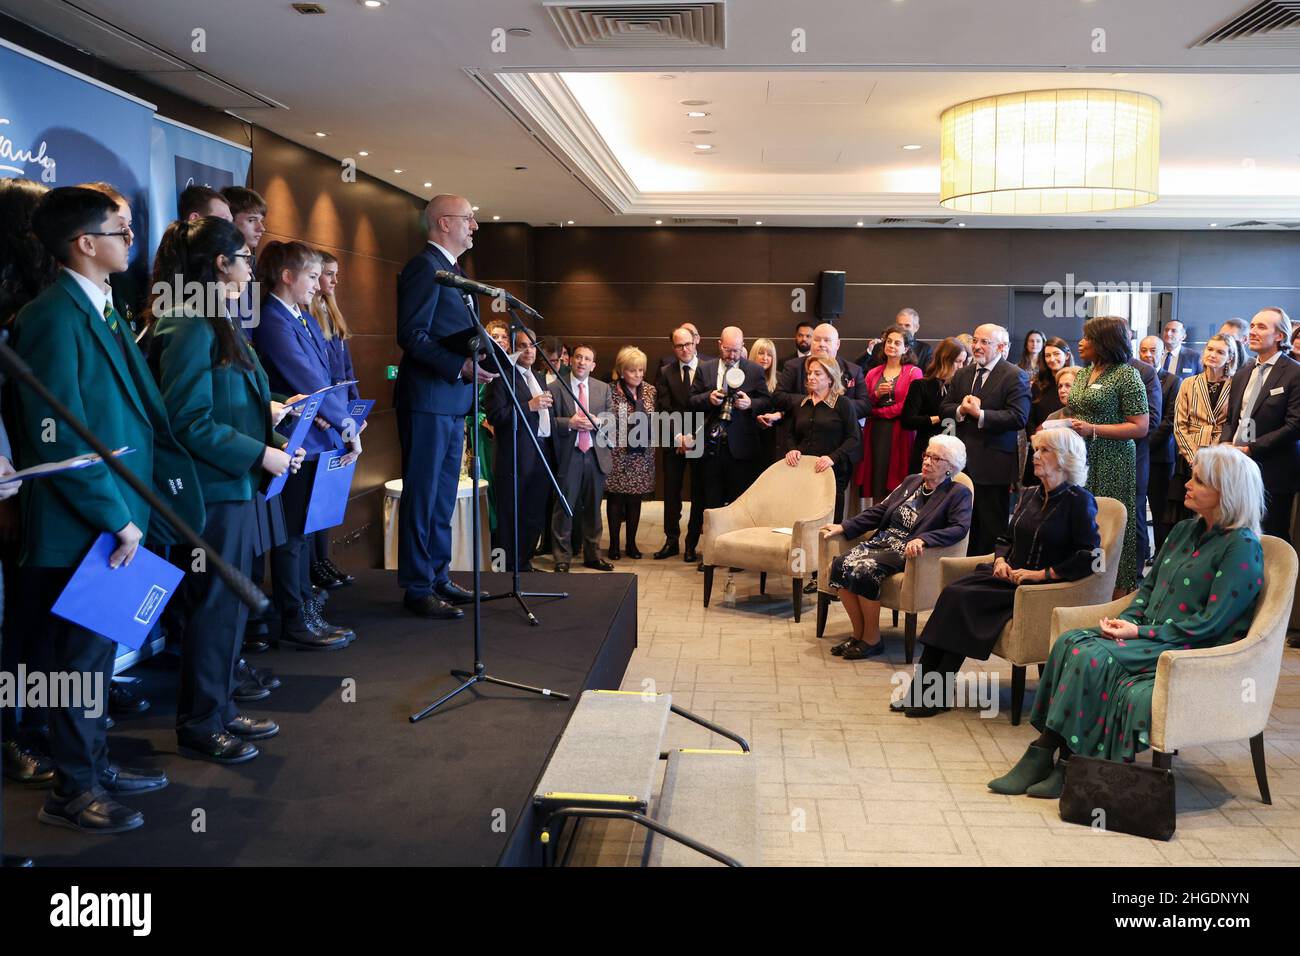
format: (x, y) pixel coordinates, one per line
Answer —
(122, 604)
(329, 494)
(296, 439)
(358, 410)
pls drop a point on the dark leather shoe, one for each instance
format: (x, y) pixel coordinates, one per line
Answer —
(257, 629)
(218, 748)
(262, 676)
(123, 703)
(117, 779)
(691, 555)
(321, 577)
(598, 565)
(300, 633)
(249, 692)
(615, 554)
(839, 649)
(669, 550)
(861, 650)
(312, 615)
(26, 767)
(562, 567)
(811, 586)
(432, 606)
(924, 711)
(93, 811)
(252, 728)
(339, 574)
(453, 593)
(633, 553)
(254, 647)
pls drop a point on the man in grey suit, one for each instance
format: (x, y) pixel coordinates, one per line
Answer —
(582, 459)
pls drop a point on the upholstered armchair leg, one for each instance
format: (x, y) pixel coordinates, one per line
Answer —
(909, 636)
(1261, 773)
(1017, 693)
(708, 583)
(823, 606)
(1162, 761)
(798, 599)
(762, 584)
(895, 619)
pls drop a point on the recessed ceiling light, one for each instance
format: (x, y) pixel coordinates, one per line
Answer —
(695, 102)
(1214, 225)
(859, 222)
(473, 208)
(372, 4)
(496, 218)
(668, 76)
(364, 152)
(758, 222)
(519, 31)
(961, 225)
(399, 171)
(659, 222)
(703, 145)
(912, 146)
(569, 222)
(318, 133)
(696, 114)
(428, 185)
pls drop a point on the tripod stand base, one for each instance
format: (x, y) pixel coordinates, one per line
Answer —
(523, 606)
(480, 676)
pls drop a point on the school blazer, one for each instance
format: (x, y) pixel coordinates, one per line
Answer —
(220, 413)
(71, 349)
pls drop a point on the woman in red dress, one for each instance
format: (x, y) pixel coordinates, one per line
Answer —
(886, 445)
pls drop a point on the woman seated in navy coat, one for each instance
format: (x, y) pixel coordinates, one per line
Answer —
(1052, 537)
(928, 510)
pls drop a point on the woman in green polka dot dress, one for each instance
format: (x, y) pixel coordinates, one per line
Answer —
(1094, 695)
(1108, 405)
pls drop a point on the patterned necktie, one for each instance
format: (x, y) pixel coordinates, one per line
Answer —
(110, 316)
(980, 375)
(584, 438)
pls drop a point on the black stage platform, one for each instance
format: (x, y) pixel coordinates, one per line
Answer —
(355, 783)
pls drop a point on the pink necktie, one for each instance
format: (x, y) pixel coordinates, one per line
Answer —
(584, 438)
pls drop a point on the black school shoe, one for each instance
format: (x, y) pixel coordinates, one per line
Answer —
(92, 811)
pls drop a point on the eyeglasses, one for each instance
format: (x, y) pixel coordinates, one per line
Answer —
(126, 235)
(683, 345)
(470, 217)
(934, 458)
(251, 257)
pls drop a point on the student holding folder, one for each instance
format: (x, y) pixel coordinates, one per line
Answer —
(219, 401)
(293, 352)
(80, 348)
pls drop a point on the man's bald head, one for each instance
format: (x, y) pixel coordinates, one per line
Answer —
(449, 221)
(731, 344)
(826, 340)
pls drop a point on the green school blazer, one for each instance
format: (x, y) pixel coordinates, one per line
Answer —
(221, 414)
(73, 352)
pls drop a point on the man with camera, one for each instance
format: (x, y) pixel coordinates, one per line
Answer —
(732, 392)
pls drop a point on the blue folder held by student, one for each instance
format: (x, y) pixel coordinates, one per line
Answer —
(296, 438)
(123, 603)
(329, 495)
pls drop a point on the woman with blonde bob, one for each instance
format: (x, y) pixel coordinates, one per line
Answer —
(1094, 695)
(1052, 537)
(824, 425)
(928, 510)
(632, 472)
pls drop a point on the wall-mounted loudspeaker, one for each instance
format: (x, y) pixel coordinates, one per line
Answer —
(830, 295)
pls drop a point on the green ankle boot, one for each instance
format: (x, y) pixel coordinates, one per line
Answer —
(1034, 766)
(1050, 788)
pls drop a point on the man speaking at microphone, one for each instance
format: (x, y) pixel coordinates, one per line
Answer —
(434, 394)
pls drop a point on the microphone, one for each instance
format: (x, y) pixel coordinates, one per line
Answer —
(443, 277)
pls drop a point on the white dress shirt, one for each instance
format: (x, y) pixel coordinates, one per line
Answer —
(534, 389)
(97, 294)
(1254, 385)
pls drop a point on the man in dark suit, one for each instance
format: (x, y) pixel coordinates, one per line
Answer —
(803, 336)
(80, 348)
(673, 388)
(1264, 415)
(434, 393)
(534, 486)
(791, 386)
(909, 319)
(989, 402)
(1177, 359)
(1142, 448)
(583, 458)
(1160, 439)
(733, 450)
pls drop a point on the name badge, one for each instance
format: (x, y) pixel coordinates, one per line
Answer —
(1276, 391)
(1095, 385)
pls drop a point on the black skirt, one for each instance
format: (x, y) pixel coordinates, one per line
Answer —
(268, 531)
(970, 614)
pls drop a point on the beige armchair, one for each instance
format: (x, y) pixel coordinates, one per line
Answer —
(1214, 695)
(913, 591)
(1024, 640)
(741, 536)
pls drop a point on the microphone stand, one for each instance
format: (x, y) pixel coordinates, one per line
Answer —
(480, 675)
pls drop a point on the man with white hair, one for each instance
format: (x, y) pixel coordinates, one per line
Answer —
(987, 404)
(1264, 415)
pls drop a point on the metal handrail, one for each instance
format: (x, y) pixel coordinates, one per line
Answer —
(638, 818)
(720, 731)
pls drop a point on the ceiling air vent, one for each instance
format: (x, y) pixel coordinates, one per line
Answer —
(692, 221)
(309, 8)
(911, 221)
(1271, 24)
(596, 25)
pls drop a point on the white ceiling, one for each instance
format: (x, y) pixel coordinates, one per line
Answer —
(420, 86)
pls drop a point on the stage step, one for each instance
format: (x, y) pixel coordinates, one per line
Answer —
(711, 796)
(609, 752)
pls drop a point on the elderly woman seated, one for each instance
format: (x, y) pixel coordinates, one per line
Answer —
(1094, 696)
(1052, 537)
(925, 510)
